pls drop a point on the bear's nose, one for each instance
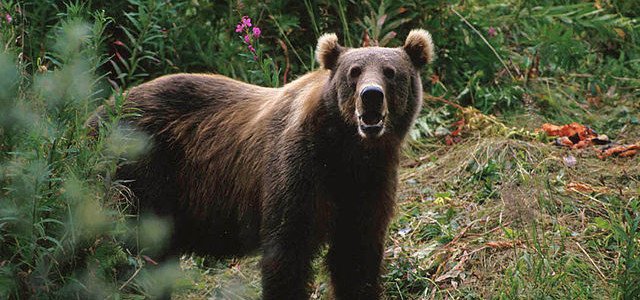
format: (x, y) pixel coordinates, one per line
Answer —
(372, 97)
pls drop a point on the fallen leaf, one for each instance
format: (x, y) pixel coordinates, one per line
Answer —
(598, 4)
(582, 144)
(150, 260)
(459, 125)
(455, 271)
(578, 136)
(564, 141)
(580, 187)
(620, 150)
(503, 244)
(583, 132)
(434, 78)
(628, 153)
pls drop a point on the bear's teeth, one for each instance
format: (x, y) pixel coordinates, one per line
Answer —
(371, 119)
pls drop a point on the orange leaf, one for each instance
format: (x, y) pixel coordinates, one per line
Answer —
(619, 150)
(628, 153)
(564, 141)
(150, 260)
(580, 187)
(500, 245)
(459, 125)
(582, 144)
(568, 130)
(434, 78)
(551, 129)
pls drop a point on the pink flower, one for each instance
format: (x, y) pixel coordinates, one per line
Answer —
(8, 18)
(256, 32)
(248, 34)
(246, 21)
(492, 32)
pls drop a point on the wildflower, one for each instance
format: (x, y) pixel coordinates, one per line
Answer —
(256, 32)
(246, 21)
(8, 18)
(249, 34)
(492, 32)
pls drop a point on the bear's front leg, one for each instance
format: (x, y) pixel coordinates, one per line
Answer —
(356, 250)
(286, 269)
(287, 233)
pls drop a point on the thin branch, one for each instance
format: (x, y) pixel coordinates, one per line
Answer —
(130, 278)
(591, 260)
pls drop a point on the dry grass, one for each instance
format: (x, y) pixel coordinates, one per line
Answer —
(497, 200)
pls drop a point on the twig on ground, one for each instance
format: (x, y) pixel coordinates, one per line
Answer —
(130, 278)
(592, 262)
(460, 235)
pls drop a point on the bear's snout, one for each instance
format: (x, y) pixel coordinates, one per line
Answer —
(372, 98)
(372, 111)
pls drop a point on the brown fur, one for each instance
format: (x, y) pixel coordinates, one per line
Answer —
(238, 167)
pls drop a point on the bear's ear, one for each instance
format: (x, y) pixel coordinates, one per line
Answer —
(419, 46)
(328, 51)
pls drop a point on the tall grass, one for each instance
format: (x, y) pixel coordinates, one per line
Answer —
(64, 224)
(67, 228)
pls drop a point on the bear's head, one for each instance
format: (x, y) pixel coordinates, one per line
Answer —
(378, 90)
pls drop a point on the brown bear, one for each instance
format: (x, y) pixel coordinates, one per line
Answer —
(240, 168)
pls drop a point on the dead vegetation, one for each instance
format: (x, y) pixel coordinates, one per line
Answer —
(509, 217)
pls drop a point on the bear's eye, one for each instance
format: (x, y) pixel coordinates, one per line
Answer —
(389, 72)
(355, 72)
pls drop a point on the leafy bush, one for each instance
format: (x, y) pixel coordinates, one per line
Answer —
(66, 226)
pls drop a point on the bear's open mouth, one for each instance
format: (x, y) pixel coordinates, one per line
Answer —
(371, 124)
(371, 118)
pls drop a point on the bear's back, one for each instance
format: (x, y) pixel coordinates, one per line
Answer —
(213, 142)
(209, 134)
(180, 96)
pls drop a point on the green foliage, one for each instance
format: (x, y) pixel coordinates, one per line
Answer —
(485, 176)
(556, 273)
(63, 229)
(623, 225)
(66, 227)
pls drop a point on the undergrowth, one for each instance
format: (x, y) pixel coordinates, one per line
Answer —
(491, 213)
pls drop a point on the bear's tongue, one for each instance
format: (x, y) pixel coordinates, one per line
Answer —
(371, 118)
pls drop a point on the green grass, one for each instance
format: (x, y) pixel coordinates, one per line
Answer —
(490, 217)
